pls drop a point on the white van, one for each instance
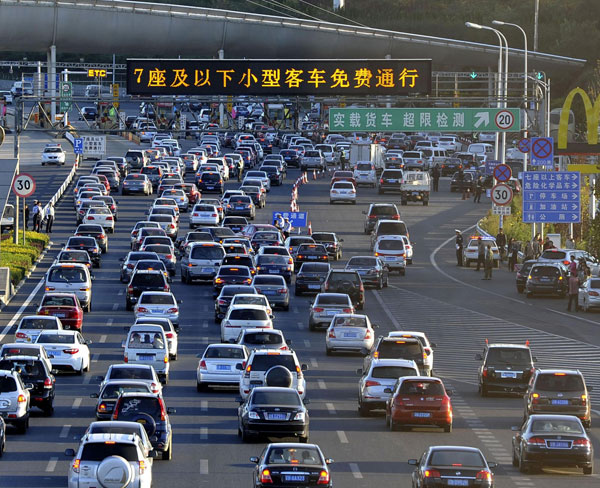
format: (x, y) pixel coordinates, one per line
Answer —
(481, 149)
(71, 278)
(148, 344)
(22, 88)
(364, 173)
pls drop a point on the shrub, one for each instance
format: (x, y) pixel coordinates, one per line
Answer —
(18, 257)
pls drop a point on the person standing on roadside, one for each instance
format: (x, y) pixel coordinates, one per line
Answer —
(535, 244)
(501, 243)
(548, 244)
(488, 262)
(37, 216)
(435, 174)
(573, 291)
(478, 190)
(513, 253)
(528, 251)
(459, 248)
(480, 253)
(49, 217)
(27, 216)
(570, 244)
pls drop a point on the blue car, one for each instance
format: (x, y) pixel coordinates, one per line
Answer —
(274, 264)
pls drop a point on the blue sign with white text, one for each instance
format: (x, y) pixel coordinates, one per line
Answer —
(553, 197)
(78, 145)
(542, 152)
(490, 165)
(297, 219)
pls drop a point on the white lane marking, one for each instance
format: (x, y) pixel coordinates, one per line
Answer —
(295, 310)
(95, 358)
(203, 466)
(314, 363)
(76, 403)
(330, 408)
(355, 471)
(204, 405)
(115, 306)
(110, 321)
(121, 292)
(306, 343)
(22, 308)
(203, 433)
(103, 338)
(205, 339)
(322, 384)
(205, 324)
(387, 311)
(342, 436)
(64, 432)
(51, 465)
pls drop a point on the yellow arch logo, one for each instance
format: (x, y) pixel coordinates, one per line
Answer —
(592, 112)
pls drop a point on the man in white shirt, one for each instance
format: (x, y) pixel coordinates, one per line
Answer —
(49, 217)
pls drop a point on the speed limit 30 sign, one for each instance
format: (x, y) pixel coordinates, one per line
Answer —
(502, 194)
(23, 185)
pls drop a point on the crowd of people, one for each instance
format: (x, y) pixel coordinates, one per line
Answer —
(41, 217)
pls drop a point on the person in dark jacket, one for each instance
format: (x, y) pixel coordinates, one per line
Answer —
(435, 175)
(501, 243)
(478, 190)
(459, 248)
(480, 253)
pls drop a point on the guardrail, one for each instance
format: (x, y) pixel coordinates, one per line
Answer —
(69, 177)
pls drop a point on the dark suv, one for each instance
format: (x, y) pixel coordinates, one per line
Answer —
(505, 368)
(348, 282)
(397, 348)
(34, 371)
(523, 273)
(547, 278)
(209, 182)
(144, 280)
(310, 277)
(377, 211)
(390, 180)
(558, 392)
(149, 410)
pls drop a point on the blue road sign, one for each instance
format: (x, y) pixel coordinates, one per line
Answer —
(297, 219)
(502, 173)
(553, 196)
(490, 165)
(542, 151)
(78, 145)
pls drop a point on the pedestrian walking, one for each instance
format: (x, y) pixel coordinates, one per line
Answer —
(27, 216)
(480, 253)
(573, 265)
(501, 243)
(478, 190)
(435, 174)
(459, 248)
(513, 253)
(49, 217)
(240, 170)
(573, 292)
(488, 262)
(570, 244)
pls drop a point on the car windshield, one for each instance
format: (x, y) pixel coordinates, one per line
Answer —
(421, 388)
(286, 398)
(224, 353)
(54, 301)
(215, 253)
(399, 350)
(456, 458)
(391, 372)
(7, 384)
(333, 300)
(497, 355)
(38, 323)
(146, 340)
(262, 338)
(149, 299)
(348, 321)
(56, 339)
(130, 408)
(304, 455)
(391, 245)
(362, 262)
(559, 382)
(248, 314)
(130, 374)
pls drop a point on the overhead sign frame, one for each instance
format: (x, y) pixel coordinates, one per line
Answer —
(286, 77)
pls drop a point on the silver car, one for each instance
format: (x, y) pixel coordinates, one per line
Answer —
(381, 376)
(219, 365)
(349, 332)
(274, 288)
(158, 304)
(326, 306)
(201, 261)
(263, 339)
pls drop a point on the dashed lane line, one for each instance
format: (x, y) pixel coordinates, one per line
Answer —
(342, 436)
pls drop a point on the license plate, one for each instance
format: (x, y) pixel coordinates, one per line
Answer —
(508, 374)
(210, 187)
(558, 444)
(207, 270)
(560, 402)
(351, 335)
(146, 357)
(392, 181)
(312, 257)
(55, 353)
(240, 208)
(458, 482)
(60, 315)
(423, 415)
(389, 258)
(156, 310)
(276, 416)
(223, 367)
(332, 312)
(269, 292)
(314, 287)
(273, 271)
(545, 280)
(294, 477)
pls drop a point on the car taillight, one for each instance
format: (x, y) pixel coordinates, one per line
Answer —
(169, 256)
(584, 399)
(173, 310)
(347, 310)
(142, 309)
(109, 218)
(581, 443)
(213, 215)
(49, 288)
(282, 290)
(21, 399)
(203, 364)
(91, 217)
(102, 407)
(331, 334)
(48, 383)
(323, 478)
(71, 350)
(21, 335)
(130, 266)
(536, 441)
(369, 383)
(446, 405)
(484, 475)
(432, 473)
(220, 280)
(154, 388)
(318, 309)
(381, 181)
(368, 334)
(172, 226)
(265, 476)
(195, 214)
(169, 335)
(594, 294)
(166, 360)
(129, 289)
(76, 464)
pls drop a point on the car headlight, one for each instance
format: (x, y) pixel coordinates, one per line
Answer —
(253, 416)
(300, 416)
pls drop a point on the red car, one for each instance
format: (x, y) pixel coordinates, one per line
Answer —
(343, 176)
(417, 401)
(104, 180)
(191, 190)
(65, 306)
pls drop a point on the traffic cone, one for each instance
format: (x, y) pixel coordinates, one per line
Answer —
(309, 228)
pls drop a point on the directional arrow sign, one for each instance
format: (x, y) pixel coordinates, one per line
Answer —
(473, 75)
(482, 118)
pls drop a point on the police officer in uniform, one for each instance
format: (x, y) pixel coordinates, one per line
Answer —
(459, 248)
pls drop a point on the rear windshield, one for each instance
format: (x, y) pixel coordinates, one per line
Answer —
(131, 374)
(272, 259)
(296, 241)
(262, 338)
(367, 261)
(363, 167)
(248, 314)
(81, 241)
(241, 271)
(148, 279)
(391, 245)
(133, 407)
(497, 355)
(421, 388)
(559, 382)
(33, 323)
(98, 451)
(157, 299)
(264, 362)
(547, 271)
(158, 248)
(392, 228)
(56, 339)
(265, 236)
(554, 255)
(250, 300)
(150, 264)
(210, 177)
(346, 321)
(74, 256)
(323, 237)
(215, 253)
(7, 384)
(155, 231)
(224, 353)
(456, 458)
(237, 260)
(337, 278)
(391, 174)
(269, 280)
(391, 372)
(114, 391)
(29, 369)
(287, 398)
(314, 268)
(556, 426)
(161, 218)
(332, 300)
(146, 340)
(399, 350)
(54, 301)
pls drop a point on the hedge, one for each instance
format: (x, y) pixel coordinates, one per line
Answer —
(20, 258)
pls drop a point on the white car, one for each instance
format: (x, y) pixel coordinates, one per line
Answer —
(392, 250)
(252, 299)
(203, 214)
(589, 294)
(364, 173)
(258, 175)
(101, 216)
(328, 152)
(243, 316)
(471, 251)
(31, 326)
(147, 344)
(53, 154)
(427, 347)
(408, 249)
(342, 191)
(349, 332)
(170, 331)
(157, 304)
(67, 349)
(219, 365)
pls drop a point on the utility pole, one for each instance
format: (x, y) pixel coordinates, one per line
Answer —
(535, 25)
(16, 137)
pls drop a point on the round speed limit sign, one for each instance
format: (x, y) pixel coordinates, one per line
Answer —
(23, 185)
(504, 119)
(502, 194)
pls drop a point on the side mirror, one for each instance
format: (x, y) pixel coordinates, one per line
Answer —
(359, 371)
(433, 345)
(171, 411)
(100, 378)
(93, 278)
(254, 460)
(121, 259)
(364, 212)
(88, 341)
(239, 399)
(492, 465)
(123, 344)
(304, 367)
(450, 392)
(180, 301)
(590, 388)
(328, 461)
(412, 462)
(289, 342)
(478, 357)
(387, 390)
(94, 395)
(70, 452)
(341, 240)
(375, 326)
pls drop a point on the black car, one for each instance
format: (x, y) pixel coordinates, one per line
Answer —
(144, 281)
(274, 175)
(292, 465)
(311, 253)
(547, 279)
(96, 231)
(149, 410)
(274, 264)
(384, 211)
(241, 205)
(34, 371)
(310, 277)
(88, 244)
(523, 273)
(226, 295)
(209, 181)
(505, 368)
(462, 181)
(291, 157)
(231, 275)
(348, 282)
(240, 260)
(235, 223)
(218, 233)
(451, 166)
(273, 412)
(331, 242)
(390, 180)
(552, 440)
(452, 466)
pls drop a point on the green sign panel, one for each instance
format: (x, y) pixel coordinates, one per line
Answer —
(66, 94)
(424, 119)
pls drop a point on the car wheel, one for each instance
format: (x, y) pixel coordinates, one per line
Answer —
(297, 292)
(200, 387)
(467, 263)
(588, 470)
(311, 327)
(245, 436)
(394, 427)
(128, 306)
(328, 351)
(48, 409)
(386, 282)
(448, 428)
(88, 308)
(286, 307)
(23, 425)
(515, 459)
(402, 272)
(168, 454)
(586, 307)
(523, 468)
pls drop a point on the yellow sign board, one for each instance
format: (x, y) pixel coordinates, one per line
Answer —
(115, 90)
(584, 169)
(97, 73)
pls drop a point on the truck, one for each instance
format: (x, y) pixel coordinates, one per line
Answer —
(367, 152)
(415, 187)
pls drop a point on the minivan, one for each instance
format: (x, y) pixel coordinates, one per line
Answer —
(201, 261)
(136, 159)
(147, 344)
(71, 278)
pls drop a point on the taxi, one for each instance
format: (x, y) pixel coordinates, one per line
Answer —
(470, 252)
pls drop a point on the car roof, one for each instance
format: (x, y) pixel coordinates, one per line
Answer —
(456, 448)
(420, 378)
(129, 394)
(254, 330)
(275, 389)
(246, 306)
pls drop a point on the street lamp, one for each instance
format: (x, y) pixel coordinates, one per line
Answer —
(499, 22)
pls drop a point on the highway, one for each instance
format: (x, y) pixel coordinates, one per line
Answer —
(449, 303)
